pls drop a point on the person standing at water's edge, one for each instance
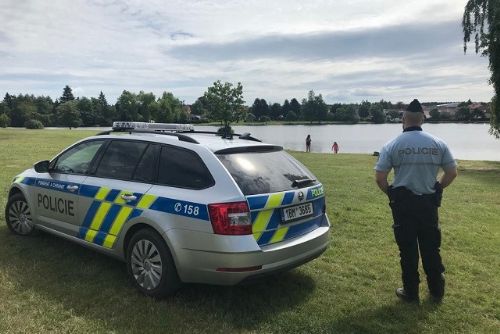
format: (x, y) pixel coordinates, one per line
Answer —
(308, 143)
(414, 198)
(335, 147)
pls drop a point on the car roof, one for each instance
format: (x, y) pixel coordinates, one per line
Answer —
(211, 141)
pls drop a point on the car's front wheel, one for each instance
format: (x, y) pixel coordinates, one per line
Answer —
(150, 264)
(18, 215)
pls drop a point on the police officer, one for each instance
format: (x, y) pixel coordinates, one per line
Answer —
(414, 198)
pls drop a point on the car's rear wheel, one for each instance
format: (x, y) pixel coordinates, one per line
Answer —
(150, 264)
(18, 215)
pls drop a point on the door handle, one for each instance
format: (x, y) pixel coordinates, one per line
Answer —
(128, 197)
(72, 188)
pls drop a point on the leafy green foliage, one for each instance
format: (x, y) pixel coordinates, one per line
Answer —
(463, 114)
(67, 95)
(364, 109)
(259, 108)
(481, 20)
(68, 114)
(346, 114)
(225, 102)
(314, 108)
(4, 120)
(200, 106)
(33, 124)
(169, 109)
(435, 114)
(377, 113)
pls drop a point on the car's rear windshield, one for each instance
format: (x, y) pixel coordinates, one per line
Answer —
(265, 172)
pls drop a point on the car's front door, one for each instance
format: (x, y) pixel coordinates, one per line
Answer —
(56, 193)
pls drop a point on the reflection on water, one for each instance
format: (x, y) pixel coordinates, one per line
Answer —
(466, 141)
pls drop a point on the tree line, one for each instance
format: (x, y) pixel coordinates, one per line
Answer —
(221, 102)
(39, 111)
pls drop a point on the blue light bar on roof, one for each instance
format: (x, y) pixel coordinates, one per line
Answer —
(121, 125)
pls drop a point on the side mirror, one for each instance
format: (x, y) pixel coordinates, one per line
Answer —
(42, 166)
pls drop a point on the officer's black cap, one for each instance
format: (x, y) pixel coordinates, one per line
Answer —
(415, 106)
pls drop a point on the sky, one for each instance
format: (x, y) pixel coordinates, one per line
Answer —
(346, 50)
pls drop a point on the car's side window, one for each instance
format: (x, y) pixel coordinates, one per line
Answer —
(77, 159)
(120, 159)
(146, 169)
(183, 168)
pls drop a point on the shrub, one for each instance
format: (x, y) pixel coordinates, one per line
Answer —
(4, 121)
(291, 116)
(250, 117)
(33, 124)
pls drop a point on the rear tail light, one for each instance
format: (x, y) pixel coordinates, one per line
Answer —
(230, 218)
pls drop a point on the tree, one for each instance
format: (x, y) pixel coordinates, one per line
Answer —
(346, 113)
(435, 114)
(259, 108)
(477, 113)
(377, 113)
(463, 114)
(86, 110)
(169, 109)
(481, 19)
(9, 100)
(104, 113)
(67, 95)
(4, 121)
(200, 107)
(68, 115)
(364, 109)
(393, 114)
(285, 109)
(314, 108)
(295, 107)
(23, 111)
(147, 105)
(225, 102)
(127, 106)
(275, 111)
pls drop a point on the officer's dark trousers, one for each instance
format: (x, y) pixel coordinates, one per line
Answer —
(416, 227)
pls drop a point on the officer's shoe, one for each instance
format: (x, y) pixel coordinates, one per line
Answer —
(436, 288)
(407, 297)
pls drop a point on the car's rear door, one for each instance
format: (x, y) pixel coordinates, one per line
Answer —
(115, 192)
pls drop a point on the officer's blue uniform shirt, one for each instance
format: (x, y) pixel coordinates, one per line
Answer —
(416, 157)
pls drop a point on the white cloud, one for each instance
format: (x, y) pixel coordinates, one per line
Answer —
(277, 49)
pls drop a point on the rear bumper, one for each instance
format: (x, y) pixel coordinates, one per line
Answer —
(199, 255)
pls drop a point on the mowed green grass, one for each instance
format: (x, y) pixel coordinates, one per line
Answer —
(51, 285)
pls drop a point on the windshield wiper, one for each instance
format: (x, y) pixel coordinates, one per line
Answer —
(302, 182)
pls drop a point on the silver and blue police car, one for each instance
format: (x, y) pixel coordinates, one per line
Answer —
(176, 204)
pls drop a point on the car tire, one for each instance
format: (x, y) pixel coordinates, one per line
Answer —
(150, 265)
(18, 215)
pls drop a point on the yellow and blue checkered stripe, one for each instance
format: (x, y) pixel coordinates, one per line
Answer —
(109, 212)
(267, 227)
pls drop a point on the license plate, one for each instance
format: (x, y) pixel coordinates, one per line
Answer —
(296, 212)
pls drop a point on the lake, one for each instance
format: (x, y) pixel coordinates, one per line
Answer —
(466, 141)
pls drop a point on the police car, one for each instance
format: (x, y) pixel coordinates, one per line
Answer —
(177, 205)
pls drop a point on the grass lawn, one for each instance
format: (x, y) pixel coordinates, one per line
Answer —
(51, 285)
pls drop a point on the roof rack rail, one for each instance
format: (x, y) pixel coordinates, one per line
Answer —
(180, 136)
(245, 136)
(169, 130)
